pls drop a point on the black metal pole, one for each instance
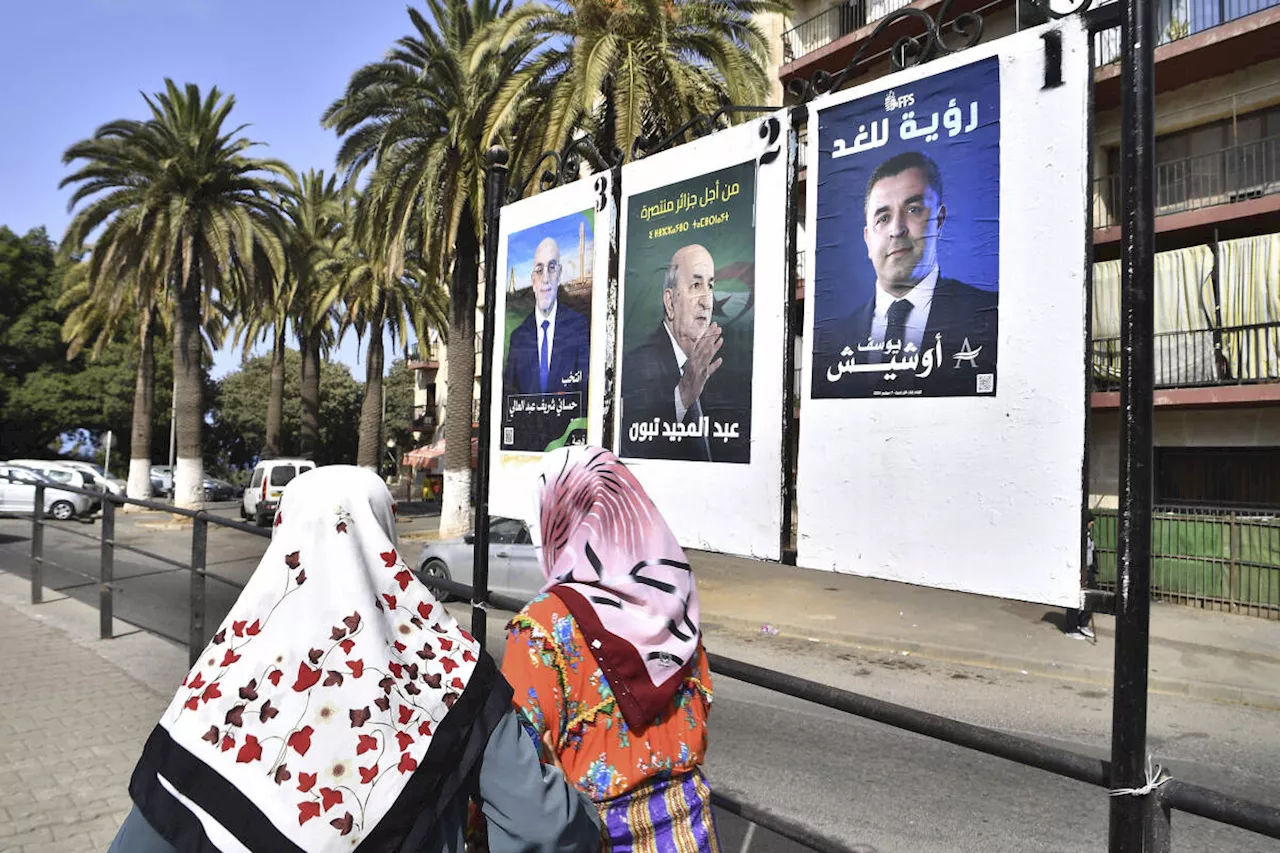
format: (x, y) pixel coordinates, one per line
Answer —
(1133, 581)
(611, 307)
(37, 546)
(107, 569)
(799, 117)
(199, 560)
(495, 191)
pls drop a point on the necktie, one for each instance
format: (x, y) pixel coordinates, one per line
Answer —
(544, 363)
(694, 416)
(896, 330)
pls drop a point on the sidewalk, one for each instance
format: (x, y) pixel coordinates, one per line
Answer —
(1199, 653)
(72, 720)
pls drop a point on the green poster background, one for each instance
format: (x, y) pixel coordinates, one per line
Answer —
(716, 211)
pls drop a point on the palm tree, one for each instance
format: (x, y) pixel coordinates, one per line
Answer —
(417, 119)
(626, 69)
(100, 315)
(376, 304)
(183, 207)
(315, 211)
(270, 320)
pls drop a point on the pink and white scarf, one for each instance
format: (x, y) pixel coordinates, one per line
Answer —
(609, 555)
(332, 707)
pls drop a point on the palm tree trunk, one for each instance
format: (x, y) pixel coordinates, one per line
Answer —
(371, 408)
(144, 395)
(188, 348)
(455, 510)
(309, 431)
(275, 397)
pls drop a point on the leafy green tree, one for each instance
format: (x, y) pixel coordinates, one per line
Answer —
(239, 418)
(175, 201)
(30, 325)
(398, 388)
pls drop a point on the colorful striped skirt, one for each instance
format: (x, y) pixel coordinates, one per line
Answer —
(662, 816)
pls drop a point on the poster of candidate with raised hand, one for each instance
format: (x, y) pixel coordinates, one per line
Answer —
(702, 332)
(906, 295)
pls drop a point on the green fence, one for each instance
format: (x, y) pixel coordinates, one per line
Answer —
(1212, 558)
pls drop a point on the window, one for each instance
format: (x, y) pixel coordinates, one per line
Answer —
(257, 479)
(282, 474)
(506, 531)
(1243, 477)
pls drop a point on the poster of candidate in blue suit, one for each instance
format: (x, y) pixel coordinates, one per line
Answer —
(906, 289)
(546, 361)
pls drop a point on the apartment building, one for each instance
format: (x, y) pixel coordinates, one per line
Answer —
(1217, 289)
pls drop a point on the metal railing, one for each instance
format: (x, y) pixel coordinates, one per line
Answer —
(1205, 557)
(1238, 173)
(832, 23)
(1173, 794)
(1232, 355)
(1179, 19)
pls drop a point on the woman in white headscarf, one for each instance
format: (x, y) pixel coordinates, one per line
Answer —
(339, 707)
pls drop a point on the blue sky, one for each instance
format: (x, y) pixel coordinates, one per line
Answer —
(68, 66)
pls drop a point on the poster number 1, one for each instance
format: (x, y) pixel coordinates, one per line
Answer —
(770, 131)
(602, 193)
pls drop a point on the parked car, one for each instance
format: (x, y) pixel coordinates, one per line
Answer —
(513, 560)
(56, 473)
(270, 476)
(18, 494)
(218, 490)
(161, 480)
(94, 475)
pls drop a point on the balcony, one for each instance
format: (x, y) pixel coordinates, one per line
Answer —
(1179, 19)
(832, 23)
(1238, 173)
(1231, 355)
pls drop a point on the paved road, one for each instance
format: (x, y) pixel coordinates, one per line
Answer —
(876, 787)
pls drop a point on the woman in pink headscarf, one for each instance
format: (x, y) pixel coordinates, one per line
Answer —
(608, 662)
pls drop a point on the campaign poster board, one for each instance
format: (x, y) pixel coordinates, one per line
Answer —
(549, 346)
(701, 325)
(943, 389)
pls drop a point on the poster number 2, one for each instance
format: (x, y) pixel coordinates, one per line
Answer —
(602, 193)
(770, 132)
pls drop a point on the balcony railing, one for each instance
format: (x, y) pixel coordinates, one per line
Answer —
(1233, 355)
(1238, 173)
(1179, 19)
(832, 23)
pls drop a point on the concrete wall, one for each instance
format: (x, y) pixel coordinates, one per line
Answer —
(1223, 426)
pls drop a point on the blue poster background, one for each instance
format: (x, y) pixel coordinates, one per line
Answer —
(968, 159)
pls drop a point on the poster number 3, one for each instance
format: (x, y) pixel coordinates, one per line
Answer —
(602, 193)
(770, 132)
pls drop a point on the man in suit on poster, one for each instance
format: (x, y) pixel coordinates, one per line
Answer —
(947, 327)
(665, 377)
(549, 352)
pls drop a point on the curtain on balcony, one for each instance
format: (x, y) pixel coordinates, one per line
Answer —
(1184, 353)
(1249, 279)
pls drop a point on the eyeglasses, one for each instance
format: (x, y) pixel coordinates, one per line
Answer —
(552, 267)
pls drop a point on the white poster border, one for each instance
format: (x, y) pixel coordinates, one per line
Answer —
(734, 508)
(1003, 518)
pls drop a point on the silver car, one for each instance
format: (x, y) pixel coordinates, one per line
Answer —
(513, 561)
(18, 495)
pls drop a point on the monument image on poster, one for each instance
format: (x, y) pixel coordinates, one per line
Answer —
(546, 354)
(689, 319)
(908, 240)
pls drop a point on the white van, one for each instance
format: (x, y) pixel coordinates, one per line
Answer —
(270, 476)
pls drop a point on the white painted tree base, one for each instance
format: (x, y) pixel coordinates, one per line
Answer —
(455, 504)
(188, 483)
(139, 486)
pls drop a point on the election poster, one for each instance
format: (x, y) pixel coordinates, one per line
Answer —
(906, 295)
(943, 386)
(701, 335)
(689, 334)
(549, 347)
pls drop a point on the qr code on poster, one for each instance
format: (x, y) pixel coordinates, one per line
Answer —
(508, 435)
(986, 383)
